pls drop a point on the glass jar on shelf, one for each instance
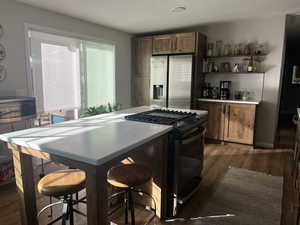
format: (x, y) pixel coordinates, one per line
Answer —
(230, 49)
(210, 49)
(236, 50)
(226, 50)
(246, 50)
(241, 49)
(219, 48)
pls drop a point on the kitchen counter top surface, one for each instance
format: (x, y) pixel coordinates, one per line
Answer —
(252, 102)
(94, 140)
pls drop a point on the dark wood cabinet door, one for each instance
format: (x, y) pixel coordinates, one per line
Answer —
(143, 53)
(163, 44)
(239, 123)
(185, 42)
(141, 91)
(215, 126)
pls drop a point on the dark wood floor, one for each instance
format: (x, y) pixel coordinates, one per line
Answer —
(218, 159)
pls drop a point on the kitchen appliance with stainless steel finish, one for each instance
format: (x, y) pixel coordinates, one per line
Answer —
(186, 145)
(225, 89)
(171, 81)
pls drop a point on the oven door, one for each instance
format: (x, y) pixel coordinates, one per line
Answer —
(188, 164)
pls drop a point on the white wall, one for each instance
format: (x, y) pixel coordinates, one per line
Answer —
(13, 16)
(270, 31)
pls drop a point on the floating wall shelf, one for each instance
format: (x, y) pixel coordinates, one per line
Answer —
(234, 72)
(235, 56)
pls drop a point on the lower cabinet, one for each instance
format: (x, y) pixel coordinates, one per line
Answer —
(215, 126)
(230, 122)
(239, 123)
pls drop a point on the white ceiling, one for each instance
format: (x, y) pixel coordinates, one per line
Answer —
(140, 16)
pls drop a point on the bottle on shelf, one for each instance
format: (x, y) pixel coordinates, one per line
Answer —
(210, 49)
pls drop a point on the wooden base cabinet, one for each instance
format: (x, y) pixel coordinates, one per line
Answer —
(215, 126)
(239, 123)
(230, 122)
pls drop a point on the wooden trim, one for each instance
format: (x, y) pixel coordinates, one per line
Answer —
(47, 156)
(26, 187)
(96, 191)
(30, 151)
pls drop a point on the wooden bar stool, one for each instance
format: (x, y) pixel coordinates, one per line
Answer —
(63, 184)
(127, 177)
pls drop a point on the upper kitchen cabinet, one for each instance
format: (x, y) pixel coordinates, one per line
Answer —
(142, 69)
(174, 43)
(185, 43)
(163, 44)
(143, 53)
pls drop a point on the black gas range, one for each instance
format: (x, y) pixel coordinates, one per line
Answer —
(186, 145)
(182, 121)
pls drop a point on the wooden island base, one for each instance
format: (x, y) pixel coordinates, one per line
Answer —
(154, 154)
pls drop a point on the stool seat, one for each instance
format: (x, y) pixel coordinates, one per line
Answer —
(62, 182)
(128, 175)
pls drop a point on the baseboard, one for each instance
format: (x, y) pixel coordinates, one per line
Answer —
(264, 145)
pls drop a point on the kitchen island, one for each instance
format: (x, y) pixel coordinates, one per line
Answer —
(92, 144)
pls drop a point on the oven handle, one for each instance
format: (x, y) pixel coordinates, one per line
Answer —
(192, 138)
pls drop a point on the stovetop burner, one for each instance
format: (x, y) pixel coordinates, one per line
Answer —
(161, 116)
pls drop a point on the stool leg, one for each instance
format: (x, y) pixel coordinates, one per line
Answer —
(126, 206)
(131, 206)
(65, 214)
(71, 213)
(77, 196)
(51, 208)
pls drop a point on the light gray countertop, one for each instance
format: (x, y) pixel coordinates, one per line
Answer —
(94, 140)
(253, 102)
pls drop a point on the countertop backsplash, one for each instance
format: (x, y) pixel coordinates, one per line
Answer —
(240, 82)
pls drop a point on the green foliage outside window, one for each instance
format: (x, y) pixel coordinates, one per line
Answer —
(101, 109)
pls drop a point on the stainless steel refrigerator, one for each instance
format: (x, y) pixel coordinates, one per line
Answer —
(171, 80)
